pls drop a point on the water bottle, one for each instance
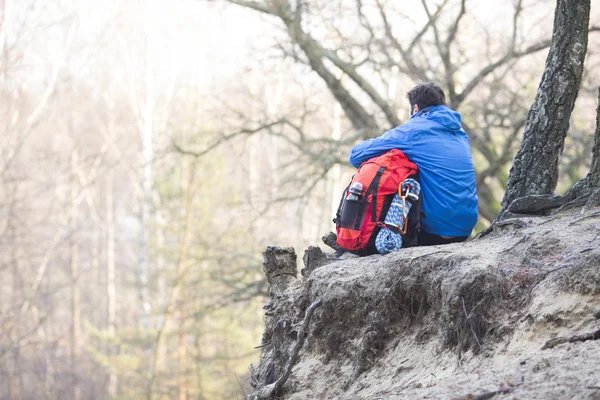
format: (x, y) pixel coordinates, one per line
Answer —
(351, 206)
(355, 191)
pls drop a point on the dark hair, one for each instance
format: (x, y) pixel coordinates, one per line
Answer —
(425, 95)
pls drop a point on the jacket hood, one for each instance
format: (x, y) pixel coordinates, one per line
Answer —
(442, 115)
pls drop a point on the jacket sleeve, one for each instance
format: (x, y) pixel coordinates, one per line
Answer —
(392, 139)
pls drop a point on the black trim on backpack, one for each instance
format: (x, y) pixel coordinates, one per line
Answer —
(361, 211)
(338, 214)
(374, 187)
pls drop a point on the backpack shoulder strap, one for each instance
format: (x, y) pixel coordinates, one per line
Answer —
(374, 188)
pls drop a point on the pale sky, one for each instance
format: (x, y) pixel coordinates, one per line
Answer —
(205, 42)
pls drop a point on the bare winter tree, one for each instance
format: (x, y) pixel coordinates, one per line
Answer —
(361, 69)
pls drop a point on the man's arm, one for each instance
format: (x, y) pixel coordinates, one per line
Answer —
(392, 139)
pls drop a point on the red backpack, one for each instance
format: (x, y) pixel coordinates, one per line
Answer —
(361, 213)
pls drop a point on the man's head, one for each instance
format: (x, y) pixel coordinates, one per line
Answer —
(425, 95)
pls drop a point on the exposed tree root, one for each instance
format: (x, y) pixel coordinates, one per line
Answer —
(578, 202)
(269, 390)
(542, 205)
(571, 339)
(592, 215)
(523, 239)
(535, 204)
(499, 223)
(484, 396)
(592, 201)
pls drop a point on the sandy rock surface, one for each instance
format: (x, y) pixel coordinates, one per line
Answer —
(460, 321)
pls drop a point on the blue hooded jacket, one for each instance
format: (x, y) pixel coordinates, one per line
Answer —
(434, 140)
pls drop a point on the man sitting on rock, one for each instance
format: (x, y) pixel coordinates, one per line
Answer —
(434, 140)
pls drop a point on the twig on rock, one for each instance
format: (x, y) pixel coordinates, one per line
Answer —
(550, 220)
(592, 215)
(489, 395)
(486, 395)
(524, 238)
(513, 221)
(571, 339)
(499, 224)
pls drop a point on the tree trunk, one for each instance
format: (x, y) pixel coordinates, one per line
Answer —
(198, 365)
(335, 173)
(535, 167)
(593, 177)
(96, 316)
(182, 363)
(591, 181)
(75, 306)
(147, 131)
(110, 281)
(182, 268)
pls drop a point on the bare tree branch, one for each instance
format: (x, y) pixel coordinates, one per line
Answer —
(351, 71)
(356, 113)
(253, 5)
(454, 28)
(224, 138)
(444, 52)
(511, 55)
(414, 71)
(431, 21)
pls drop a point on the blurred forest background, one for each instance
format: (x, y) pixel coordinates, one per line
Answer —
(151, 149)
